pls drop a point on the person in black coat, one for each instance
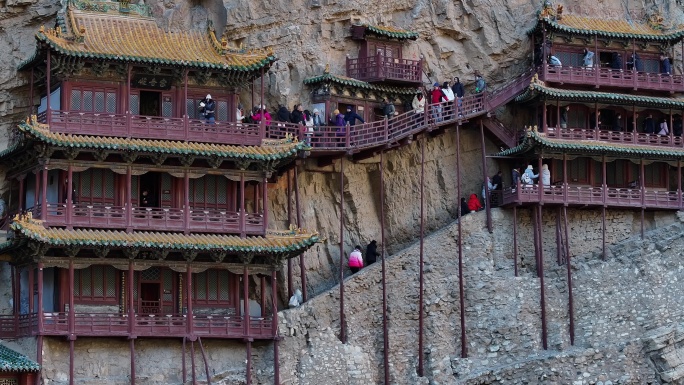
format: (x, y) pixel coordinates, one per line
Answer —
(649, 125)
(351, 117)
(372, 252)
(283, 114)
(464, 207)
(297, 115)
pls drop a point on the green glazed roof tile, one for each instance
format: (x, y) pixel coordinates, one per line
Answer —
(11, 361)
(347, 81)
(391, 32)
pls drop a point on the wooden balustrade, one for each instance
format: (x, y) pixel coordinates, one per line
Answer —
(580, 133)
(586, 195)
(381, 68)
(149, 218)
(613, 78)
(151, 325)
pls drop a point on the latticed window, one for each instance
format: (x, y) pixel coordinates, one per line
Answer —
(212, 288)
(95, 186)
(134, 104)
(167, 107)
(222, 108)
(651, 65)
(96, 284)
(654, 175)
(574, 59)
(209, 192)
(93, 99)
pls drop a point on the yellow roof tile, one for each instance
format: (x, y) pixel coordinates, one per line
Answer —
(118, 37)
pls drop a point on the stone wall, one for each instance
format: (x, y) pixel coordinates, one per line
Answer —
(616, 303)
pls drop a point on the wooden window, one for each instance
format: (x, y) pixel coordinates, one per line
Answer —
(617, 173)
(209, 192)
(654, 175)
(223, 106)
(93, 99)
(95, 186)
(96, 285)
(575, 59)
(212, 288)
(578, 171)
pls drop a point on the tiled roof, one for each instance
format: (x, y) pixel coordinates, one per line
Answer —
(346, 81)
(269, 150)
(11, 361)
(391, 32)
(294, 241)
(139, 39)
(536, 140)
(538, 88)
(615, 28)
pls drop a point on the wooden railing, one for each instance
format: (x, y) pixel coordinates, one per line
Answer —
(149, 218)
(381, 68)
(578, 133)
(152, 325)
(612, 78)
(586, 195)
(153, 127)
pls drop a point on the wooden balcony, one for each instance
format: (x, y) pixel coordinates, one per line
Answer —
(615, 137)
(606, 77)
(593, 196)
(153, 127)
(379, 68)
(153, 219)
(147, 325)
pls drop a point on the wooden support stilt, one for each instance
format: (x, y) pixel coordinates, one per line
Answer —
(131, 345)
(421, 282)
(541, 280)
(343, 335)
(385, 332)
(515, 240)
(568, 265)
(461, 288)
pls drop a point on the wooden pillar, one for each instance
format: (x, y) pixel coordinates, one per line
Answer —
(130, 279)
(488, 201)
(385, 331)
(43, 198)
(186, 185)
(36, 188)
(421, 260)
(541, 279)
(276, 341)
(565, 179)
(262, 302)
(679, 182)
(670, 130)
(190, 314)
(48, 112)
(571, 308)
(603, 210)
(245, 302)
(515, 240)
(596, 112)
(343, 335)
(22, 193)
(290, 289)
(131, 345)
(558, 123)
(71, 360)
(264, 200)
(31, 293)
(540, 182)
(72, 312)
(129, 199)
(302, 267)
(70, 195)
(642, 186)
(544, 117)
(40, 298)
(461, 288)
(243, 213)
(248, 371)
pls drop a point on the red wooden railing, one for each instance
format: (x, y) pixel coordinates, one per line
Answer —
(381, 68)
(152, 127)
(500, 96)
(577, 133)
(612, 78)
(586, 195)
(148, 218)
(151, 325)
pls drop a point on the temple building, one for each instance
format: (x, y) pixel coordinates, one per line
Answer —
(135, 216)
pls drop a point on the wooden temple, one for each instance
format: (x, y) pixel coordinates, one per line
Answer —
(131, 215)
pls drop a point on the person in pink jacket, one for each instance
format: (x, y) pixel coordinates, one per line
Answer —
(355, 259)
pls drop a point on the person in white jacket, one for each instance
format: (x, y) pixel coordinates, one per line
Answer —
(546, 175)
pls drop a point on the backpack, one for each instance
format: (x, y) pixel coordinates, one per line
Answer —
(526, 179)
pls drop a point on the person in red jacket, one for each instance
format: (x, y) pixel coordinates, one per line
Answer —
(474, 203)
(437, 96)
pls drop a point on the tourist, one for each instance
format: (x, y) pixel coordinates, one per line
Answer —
(449, 94)
(649, 125)
(480, 84)
(665, 66)
(554, 61)
(297, 115)
(588, 59)
(372, 252)
(488, 188)
(617, 123)
(464, 207)
(616, 61)
(388, 108)
(240, 114)
(283, 115)
(296, 299)
(663, 129)
(337, 120)
(418, 104)
(677, 125)
(208, 109)
(437, 98)
(545, 175)
(497, 181)
(355, 259)
(564, 117)
(635, 63)
(529, 176)
(474, 203)
(317, 120)
(351, 117)
(263, 115)
(309, 124)
(515, 177)
(457, 88)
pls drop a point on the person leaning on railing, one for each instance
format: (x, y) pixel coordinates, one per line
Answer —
(418, 105)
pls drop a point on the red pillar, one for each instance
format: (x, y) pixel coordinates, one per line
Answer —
(22, 195)
(385, 331)
(276, 355)
(40, 297)
(43, 211)
(131, 307)
(243, 213)
(129, 199)
(461, 290)
(264, 199)
(343, 336)
(245, 303)
(186, 181)
(70, 195)
(190, 327)
(302, 267)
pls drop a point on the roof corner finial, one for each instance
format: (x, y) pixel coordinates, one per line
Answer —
(327, 68)
(42, 29)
